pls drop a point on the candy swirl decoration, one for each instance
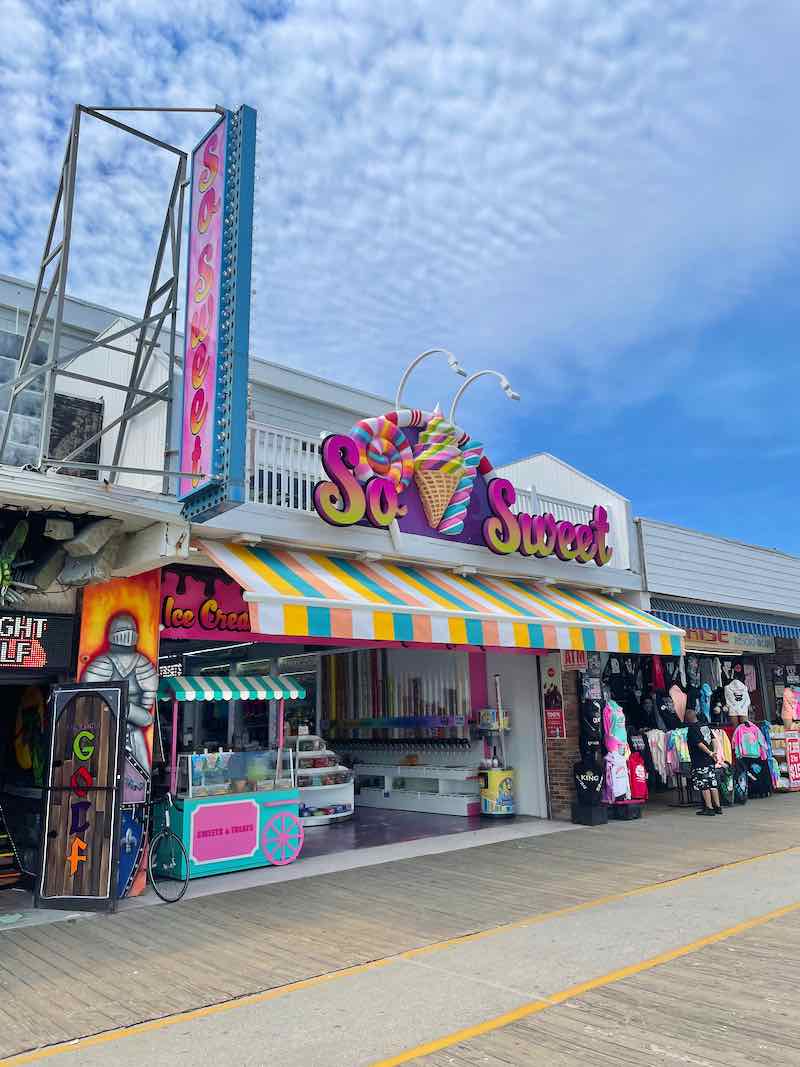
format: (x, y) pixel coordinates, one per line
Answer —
(452, 522)
(384, 450)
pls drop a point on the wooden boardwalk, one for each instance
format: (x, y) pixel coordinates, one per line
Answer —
(729, 1005)
(70, 979)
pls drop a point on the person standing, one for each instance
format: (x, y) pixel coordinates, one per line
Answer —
(704, 774)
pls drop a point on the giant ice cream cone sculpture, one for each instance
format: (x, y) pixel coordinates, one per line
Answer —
(438, 467)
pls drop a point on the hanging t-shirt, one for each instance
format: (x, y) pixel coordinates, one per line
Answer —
(710, 672)
(718, 705)
(679, 700)
(790, 709)
(614, 730)
(750, 677)
(722, 746)
(591, 722)
(666, 716)
(726, 666)
(638, 777)
(638, 743)
(657, 679)
(588, 782)
(737, 699)
(617, 782)
(614, 679)
(748, 742)
(705, 701)
(657, 742)
(693, 671)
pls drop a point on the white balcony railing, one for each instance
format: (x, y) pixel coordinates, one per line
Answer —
(283, 467)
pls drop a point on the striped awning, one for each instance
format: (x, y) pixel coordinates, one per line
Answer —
(311, 594)
(231, 687)
(693, 615)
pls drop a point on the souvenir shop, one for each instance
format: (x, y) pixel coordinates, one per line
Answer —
(633, 722)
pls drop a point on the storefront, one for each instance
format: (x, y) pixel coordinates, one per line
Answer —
(427, 613)
(37, 650)
(738, 606)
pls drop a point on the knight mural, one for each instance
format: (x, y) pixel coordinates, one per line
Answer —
(124, 662)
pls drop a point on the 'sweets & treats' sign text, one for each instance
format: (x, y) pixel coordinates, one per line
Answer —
(417, 469)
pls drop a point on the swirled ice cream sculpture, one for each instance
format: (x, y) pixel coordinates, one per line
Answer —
(443, 464)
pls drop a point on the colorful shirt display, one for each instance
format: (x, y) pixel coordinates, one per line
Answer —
(748, 742)
(737, 699)
(657, 740)
(617, 784)
(678, 697)
(614, 729)
(638, 777)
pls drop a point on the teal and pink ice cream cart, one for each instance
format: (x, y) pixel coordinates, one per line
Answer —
(234, 810)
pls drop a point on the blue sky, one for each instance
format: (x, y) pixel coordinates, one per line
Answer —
(597, 198)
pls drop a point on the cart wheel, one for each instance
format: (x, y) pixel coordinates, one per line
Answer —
(282, 838)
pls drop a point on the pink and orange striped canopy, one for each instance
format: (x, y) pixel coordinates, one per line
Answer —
(312, 594)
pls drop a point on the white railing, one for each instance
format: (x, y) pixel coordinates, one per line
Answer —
(564, 509)
(282, 468)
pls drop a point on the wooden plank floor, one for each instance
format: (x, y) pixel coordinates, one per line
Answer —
(729, 1005)
(79, 977)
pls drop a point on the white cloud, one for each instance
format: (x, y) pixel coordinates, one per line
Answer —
(540, 186)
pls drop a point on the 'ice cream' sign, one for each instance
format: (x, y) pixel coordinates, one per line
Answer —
(416, 468)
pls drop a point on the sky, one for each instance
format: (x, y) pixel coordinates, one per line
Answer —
(597, 198)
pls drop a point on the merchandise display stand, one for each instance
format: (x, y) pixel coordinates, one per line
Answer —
(326, 785)
(418, 787)
(786, 750)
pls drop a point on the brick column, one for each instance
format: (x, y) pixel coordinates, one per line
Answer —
(563, 753)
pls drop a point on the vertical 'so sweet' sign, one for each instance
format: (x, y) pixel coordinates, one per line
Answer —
(202, 307)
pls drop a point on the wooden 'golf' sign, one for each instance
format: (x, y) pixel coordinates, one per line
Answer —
(82, 801)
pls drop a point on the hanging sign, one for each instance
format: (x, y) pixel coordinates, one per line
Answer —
(793, 759)
(417, 469)
(83, 798)
(217, 329)
(555, 724)
(725, 641)
(573, 660)
(204, 605)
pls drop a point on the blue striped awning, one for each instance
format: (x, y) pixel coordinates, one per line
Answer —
(693, 615)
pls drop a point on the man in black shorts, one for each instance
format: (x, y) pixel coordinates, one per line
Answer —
(704, 774)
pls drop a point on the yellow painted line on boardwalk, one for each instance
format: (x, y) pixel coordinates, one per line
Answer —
(36, 1055)
(534, 1007)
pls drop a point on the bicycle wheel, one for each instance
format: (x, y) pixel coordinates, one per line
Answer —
(168, 866)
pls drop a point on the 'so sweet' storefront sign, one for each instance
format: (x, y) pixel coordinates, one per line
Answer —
(415, 468)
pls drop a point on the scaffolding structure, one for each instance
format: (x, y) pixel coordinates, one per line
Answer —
(160, 314)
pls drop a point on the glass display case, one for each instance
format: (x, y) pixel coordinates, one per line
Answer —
(220, 773)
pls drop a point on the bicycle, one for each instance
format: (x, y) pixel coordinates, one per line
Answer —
(167, 859)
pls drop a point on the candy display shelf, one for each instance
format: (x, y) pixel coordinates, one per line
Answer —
(419, 787)
(321, 802)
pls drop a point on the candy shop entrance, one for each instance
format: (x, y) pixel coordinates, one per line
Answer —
(391, 744)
